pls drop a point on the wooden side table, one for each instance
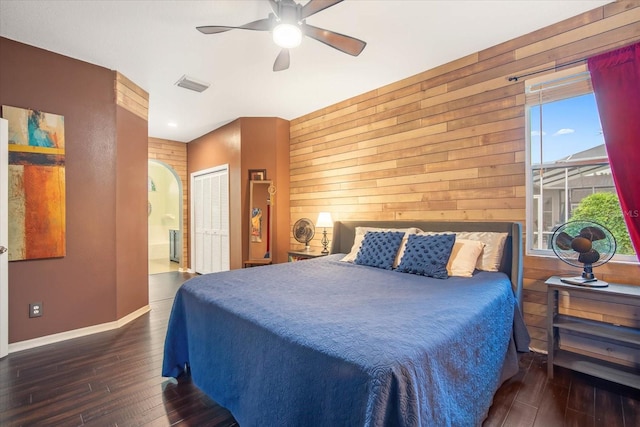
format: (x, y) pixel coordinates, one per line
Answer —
(608, 332)
(302, 255)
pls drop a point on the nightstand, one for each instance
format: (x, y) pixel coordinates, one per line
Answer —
(302, 255)
(257, 262)
(604, 331)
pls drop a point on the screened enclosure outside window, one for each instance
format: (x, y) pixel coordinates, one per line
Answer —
(569, 175)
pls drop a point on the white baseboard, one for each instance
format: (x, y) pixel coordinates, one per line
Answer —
(76, 333)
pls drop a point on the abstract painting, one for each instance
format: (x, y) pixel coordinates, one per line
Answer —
(256, 225)
(36, 184)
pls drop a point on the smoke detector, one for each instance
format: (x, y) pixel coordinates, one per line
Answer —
(192, 84)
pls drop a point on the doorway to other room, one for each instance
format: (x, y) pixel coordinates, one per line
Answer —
(164, 218)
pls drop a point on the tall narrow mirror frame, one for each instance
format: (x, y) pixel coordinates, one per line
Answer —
(260, 220)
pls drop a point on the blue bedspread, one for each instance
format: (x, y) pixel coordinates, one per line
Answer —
(326, 343)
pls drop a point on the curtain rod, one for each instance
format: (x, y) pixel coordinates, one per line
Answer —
(577, 61)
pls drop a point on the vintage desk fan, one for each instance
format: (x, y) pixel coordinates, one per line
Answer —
(303, 232)
(584, 244)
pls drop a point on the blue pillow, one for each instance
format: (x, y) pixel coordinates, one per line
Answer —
(427, 255)
(379, 249)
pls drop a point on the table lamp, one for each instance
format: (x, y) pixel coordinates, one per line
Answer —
(324, 221)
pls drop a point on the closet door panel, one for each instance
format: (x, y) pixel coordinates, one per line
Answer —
(225, 255)
(198, 224)
(211, 218)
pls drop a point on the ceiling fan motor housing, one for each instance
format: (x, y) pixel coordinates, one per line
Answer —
(289, 12)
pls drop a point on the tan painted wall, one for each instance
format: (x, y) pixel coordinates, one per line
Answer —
(132, 265)
(265, 146)
(96, 282)
(248, 143)
(448, 144)
(219, 147)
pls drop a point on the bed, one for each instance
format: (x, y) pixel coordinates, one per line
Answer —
(324, 342)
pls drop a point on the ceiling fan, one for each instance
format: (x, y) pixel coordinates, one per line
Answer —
(287, 24)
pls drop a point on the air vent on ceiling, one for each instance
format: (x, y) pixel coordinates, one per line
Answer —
(192, 84)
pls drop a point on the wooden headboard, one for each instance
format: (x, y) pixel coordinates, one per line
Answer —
(344, 233)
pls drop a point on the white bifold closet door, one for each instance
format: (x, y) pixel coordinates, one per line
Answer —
(210, 220)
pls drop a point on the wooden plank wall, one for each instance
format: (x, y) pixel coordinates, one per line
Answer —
(131, 97)
(449, 143)
(174, 154)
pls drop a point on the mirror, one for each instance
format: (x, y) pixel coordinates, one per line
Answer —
(260, 220)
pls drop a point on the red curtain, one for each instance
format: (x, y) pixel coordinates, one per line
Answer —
(615, 77)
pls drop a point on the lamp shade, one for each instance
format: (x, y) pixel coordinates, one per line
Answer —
(324, 220)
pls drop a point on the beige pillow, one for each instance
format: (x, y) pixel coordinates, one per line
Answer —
(359, 237)
(464, 256)
(493, 247)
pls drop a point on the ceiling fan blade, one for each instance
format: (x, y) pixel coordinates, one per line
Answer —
(259, 25)
(343, 43)
(315, 6)
(282, 60)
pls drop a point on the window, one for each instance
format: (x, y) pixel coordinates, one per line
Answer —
(569, 176)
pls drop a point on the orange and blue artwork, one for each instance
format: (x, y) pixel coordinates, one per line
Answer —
(36, 184)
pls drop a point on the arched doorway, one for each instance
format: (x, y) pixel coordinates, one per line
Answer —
(164, 218)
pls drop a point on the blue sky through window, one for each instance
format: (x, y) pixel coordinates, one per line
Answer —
(569, 126)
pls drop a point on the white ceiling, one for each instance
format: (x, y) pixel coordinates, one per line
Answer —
(155, 42)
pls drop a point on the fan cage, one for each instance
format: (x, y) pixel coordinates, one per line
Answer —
(606, 247)
(303, 231)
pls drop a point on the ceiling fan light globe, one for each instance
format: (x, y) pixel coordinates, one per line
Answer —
(287, 36)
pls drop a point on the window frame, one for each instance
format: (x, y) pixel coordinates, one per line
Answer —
(580, 78)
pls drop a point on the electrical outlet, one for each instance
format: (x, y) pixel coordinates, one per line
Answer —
(35, 309)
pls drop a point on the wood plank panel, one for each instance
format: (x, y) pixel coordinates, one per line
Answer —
(449, 144)
(131, 97)
(580, 33)
(527, 39)
(619, 7)
(478, 99)
(448, 68)
(461, 155)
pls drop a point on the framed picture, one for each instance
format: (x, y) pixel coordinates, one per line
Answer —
(257, 174)
(37, 189)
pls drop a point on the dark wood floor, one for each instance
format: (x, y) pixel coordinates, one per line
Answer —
(113, 379)
(570, 399)
(165, 285)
